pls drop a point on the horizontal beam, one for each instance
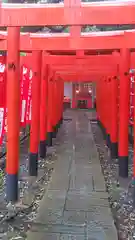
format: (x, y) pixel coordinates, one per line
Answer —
(79, 43)
(65, 42)
(87, 13)
(84, 68)
(87, 72)
(82, 77)
(86, 59)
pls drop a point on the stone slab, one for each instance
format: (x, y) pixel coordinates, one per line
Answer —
(84, 202)
(72, 229)
(42, 236)
(71, 237)
(74, 217)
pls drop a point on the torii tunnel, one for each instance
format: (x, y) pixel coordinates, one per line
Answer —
(105, 58)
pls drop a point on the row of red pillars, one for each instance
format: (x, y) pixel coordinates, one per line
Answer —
(47, 110)
(113, 107)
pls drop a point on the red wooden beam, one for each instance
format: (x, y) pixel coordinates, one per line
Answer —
(76, 78)
(84, 42)
(57, 14)
(89, 41)
(83, 76)
(101, 60)
(82, 68)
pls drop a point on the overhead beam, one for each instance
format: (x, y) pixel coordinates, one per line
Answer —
(87, 13)
(66, 43)
(75, 77)
(89, 41)
(84, 42)
(89, 72)
(86, 59)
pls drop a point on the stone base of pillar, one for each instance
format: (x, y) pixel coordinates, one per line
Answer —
(42, 149)
(54, 133)
(49, 139)
(12, 187)
(123, 166)
(33, 164)
(114, 150)
(108, 142)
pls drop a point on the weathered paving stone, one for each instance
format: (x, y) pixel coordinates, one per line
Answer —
(59, 228)
(71, 237)
(101, 233)
(42, 236)
(100, 214)
(84, 202)
(74, 217)
(50, 216)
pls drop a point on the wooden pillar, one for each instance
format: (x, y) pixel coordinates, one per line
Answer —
(61, 105)
(35, 120)
(13, 114)
(114, 113)
(134, 143)
(124, 105)
(50, 111)
(43, 109)
(56, 108)
(114, 118)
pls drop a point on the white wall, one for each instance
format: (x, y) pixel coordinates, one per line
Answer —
(68, 90)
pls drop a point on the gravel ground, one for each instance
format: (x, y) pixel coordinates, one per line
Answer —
(121, 191)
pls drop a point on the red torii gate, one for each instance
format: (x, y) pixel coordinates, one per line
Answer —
(14, 16)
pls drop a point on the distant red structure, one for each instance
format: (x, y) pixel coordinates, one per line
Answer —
(82, 96)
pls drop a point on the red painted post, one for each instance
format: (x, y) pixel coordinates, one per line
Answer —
(50, 111)
(124, 105)
(134, 143)
(43, 109)
(59, 121)
(61, 101)
(103, 106)
(114, 118)
(55, 108)
(108, 109)
(114, 114)
(35, 119)
(57, 102)
(13, 114)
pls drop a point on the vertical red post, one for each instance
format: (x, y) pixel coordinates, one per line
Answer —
(114, 118)
(57, 102)
(124, 105)
(57, 96)
(50, 111)
(134, 142)
(114, 114)
(43, 108)
(13, 115)
(35, 119)
(55, 108)
(61, 103)
(107, 108)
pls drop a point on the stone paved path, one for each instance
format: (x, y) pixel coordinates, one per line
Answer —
(75, 205)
